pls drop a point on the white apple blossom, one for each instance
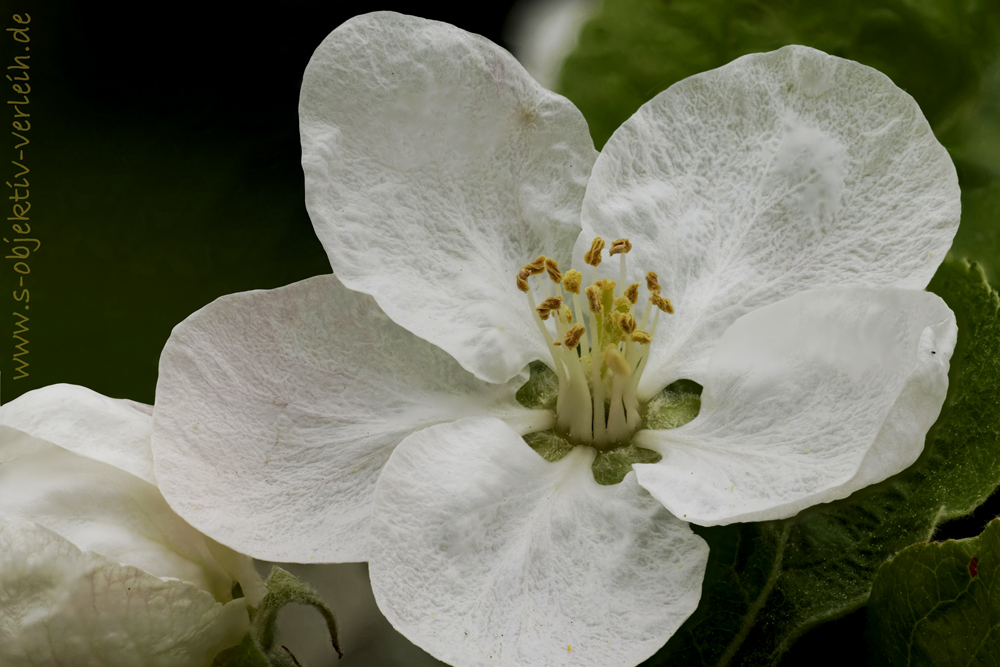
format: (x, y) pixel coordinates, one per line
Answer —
(794, 205)
(95, 568)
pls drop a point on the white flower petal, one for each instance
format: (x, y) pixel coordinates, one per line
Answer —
(483, 553)
(805, 401)
(435, 168)
(104, 509)
(63, 606)
(276, 410)
(110, 430)
(777, 173)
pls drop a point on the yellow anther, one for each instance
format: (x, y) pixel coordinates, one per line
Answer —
(652, 284)
(553, 269)
(622, 303)
(573, 336)
(627, 323)
(641, 337)
(632, 293)
(568, 314)
(616, 361)
(537, 266)
(661, 303)
(619, 246)
(593, 256)
(547, 306)
(528, 270)
(594, 299)
(522, 279)
(606, 285)
(615, 316)
(572, 280)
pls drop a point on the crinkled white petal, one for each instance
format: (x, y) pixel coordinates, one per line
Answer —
(101, 508)
(435, 167)
(806, 401)
(63, 606)
(777, 173)
(483, 553)
(276, 410)
(80, 464)
(114, 431)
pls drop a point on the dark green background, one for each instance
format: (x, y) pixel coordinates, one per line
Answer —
(165, 172)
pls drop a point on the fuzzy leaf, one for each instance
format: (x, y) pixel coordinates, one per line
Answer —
(766, 583)
(938, 604)
(943, 52)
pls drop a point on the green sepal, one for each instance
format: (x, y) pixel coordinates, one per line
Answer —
(260, 647)
(549, 445)
(541, 390)
(675, 406)
(284, 588)
(247, 654)
(766, 583)
(610, 467)
(938, 604)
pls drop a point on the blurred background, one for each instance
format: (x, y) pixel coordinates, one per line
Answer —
(164, 165)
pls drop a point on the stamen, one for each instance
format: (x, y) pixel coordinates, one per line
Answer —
(593, 256)
(662, 303)
(606, 285)
(597, 386)
(594, 298)
(652, 284)
(572, 280)
(619, 246)
(641, 337)
(627, 323)
(568, 314)
(617, 422)
(550, 304)
(632, 293)
(553, 269)
(522, 280)
(573, 336)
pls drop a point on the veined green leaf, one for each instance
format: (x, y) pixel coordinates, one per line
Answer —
(768, 582)
(938, 604)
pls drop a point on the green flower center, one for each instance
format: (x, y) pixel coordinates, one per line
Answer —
(676, 405)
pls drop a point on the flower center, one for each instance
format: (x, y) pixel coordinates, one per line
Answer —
(598, 353)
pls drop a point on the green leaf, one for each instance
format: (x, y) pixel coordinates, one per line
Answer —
(766, 583)
(979, 234)
(938, 604)
(946, 53)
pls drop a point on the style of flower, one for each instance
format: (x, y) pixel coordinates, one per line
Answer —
(791, 207)
(95, 568)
